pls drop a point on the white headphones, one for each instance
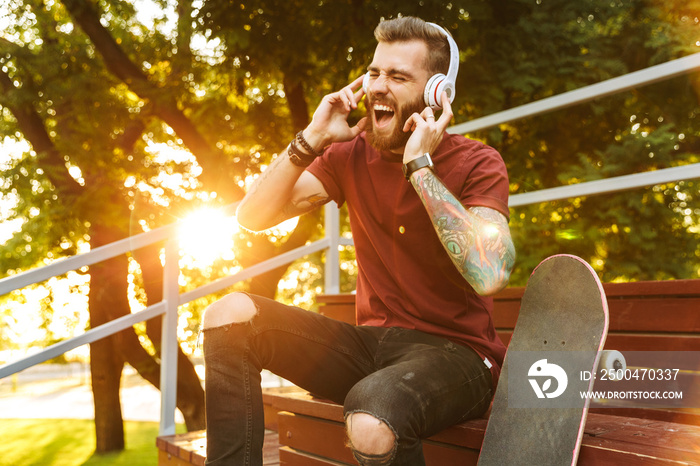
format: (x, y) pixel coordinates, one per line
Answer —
(438, 83)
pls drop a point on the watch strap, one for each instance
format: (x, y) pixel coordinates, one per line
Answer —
(416, 164)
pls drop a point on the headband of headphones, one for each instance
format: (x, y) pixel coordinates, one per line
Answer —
(440, 83)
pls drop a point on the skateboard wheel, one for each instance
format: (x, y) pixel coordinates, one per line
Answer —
(611, 360)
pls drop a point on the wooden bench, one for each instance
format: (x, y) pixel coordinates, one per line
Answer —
(311, 433)
(644, 316)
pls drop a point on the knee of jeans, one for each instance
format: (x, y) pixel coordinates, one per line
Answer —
(234, 308)
(372, 440)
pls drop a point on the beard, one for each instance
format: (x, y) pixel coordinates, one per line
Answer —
(398, 138)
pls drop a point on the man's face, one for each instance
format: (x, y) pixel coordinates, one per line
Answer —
(397, 79)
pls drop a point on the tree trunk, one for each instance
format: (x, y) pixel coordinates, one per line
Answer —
(296, 101)
(107, 291)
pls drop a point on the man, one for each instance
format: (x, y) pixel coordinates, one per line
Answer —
(425, 354)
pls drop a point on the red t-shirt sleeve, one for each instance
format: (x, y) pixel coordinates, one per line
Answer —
(486, 182)
(328, 169)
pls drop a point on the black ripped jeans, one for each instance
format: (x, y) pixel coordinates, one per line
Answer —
(418, 384)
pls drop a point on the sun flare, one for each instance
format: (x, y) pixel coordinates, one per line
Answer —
(207, 235)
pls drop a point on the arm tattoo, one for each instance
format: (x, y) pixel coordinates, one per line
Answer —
(266, 173)
(303, 205)
(267, 186)
(476, 239)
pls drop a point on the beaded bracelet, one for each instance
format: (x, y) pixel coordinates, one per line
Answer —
(305, 144)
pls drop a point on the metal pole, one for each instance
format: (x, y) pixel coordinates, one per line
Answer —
(168, 350)
(332, 267)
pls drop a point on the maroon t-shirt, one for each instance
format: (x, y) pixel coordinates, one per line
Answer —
(405, 278)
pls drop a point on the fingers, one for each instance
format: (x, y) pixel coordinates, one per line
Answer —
(426, 117)
(357, 96)
(348, 96)
(427, 130)
(447, 114)
(357, 82)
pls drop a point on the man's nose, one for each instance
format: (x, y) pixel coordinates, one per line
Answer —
(379, 85)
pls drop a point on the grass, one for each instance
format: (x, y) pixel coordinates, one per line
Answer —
(71, 442)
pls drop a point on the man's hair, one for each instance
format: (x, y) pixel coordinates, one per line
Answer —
(408, 28)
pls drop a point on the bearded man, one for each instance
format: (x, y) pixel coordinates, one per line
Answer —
(429, 216)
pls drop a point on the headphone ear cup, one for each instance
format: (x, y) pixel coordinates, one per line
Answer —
(433, 90)
(365, 83)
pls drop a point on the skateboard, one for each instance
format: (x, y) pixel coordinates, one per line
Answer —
(538, 413)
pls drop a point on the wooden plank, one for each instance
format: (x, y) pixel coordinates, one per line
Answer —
(338, 306)
(313, 435)
(297, 400)
(630, 314)
(505, 335)
(620, 437)
(190, 449)
(469, 434)
(166, 459)
(644, 432)
(655, 315)
(505, 314)
(437, 454)
(678, 416)
(292, 457)
(343, 313)
(652, 342)
(603, 452)
(636, 341)
(512, 292)
(342, 298)
(689, 287)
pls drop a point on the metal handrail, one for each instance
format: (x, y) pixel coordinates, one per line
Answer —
(636, 79)
(172, 299)
(332, 240)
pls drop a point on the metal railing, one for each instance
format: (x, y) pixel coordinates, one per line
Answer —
(172, 299)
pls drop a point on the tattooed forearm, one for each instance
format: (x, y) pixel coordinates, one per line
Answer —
(476, 239)
(252, 192)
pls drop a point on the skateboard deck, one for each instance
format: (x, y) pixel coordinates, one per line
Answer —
(538, 412)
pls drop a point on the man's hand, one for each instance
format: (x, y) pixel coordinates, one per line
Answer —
(330, 121)
(427, 132)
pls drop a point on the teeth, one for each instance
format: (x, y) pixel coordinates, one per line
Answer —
(383, 108)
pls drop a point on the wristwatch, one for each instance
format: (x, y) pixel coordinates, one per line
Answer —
(416, 164)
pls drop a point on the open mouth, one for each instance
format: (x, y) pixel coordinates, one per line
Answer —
(382, 115)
